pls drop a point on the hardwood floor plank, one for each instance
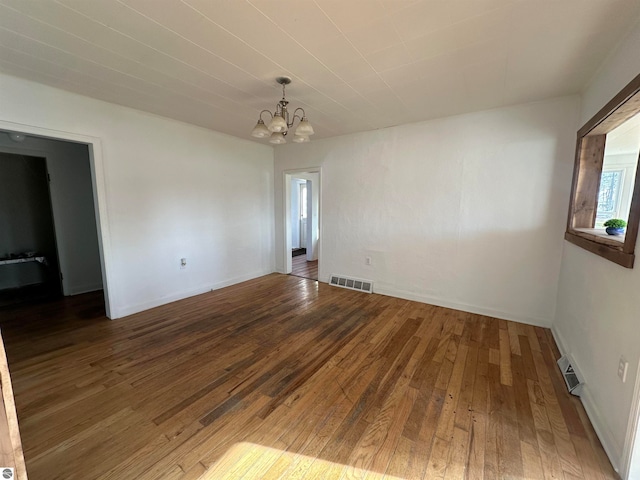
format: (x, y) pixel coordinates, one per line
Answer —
(447, 415)
(438, 459)
(548, 453)
(491, 449)
(464, 406)
(458, 454)
(587, 458)
(557, 422)
(531, 463)
(514, 341)
(282, 377)
(526, 425)
(506, 376)
(300, 267)
(399, 463)
(384, 434)
(527, 358)
(477, 445)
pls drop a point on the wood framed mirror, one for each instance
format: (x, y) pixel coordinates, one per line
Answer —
(588, 188)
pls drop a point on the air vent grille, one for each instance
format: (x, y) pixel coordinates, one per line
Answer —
(351, 283)
(571, 376)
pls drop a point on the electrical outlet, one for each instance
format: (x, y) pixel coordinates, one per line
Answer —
(623, 366)
(183, 263)
(367, 260)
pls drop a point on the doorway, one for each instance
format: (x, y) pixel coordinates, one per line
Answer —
(73, 261)
(302, 223)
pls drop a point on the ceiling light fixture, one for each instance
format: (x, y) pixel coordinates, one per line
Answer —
(281, 121)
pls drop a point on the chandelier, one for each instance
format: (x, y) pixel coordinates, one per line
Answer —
(281, 121)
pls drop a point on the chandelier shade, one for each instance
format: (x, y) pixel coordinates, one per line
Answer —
(260, 130)
(281, 121)
(277, 138)
(301, 138)
(304, 128)
(278, 124)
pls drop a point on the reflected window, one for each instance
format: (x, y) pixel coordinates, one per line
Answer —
(609, 196)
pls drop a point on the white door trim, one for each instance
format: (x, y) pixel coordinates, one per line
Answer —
(287, 175)
(632, 430)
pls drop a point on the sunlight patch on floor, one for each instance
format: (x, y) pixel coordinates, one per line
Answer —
(250, 461)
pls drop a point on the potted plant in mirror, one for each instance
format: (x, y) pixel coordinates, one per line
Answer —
(615, 226)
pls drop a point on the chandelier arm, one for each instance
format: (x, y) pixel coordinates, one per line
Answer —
(295, 115)
(268, 111)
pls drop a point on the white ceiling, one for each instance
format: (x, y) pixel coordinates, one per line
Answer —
(356, 64)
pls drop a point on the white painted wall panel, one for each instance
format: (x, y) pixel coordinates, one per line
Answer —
(466, 211)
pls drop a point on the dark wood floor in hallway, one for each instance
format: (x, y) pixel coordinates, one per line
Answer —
(282, 378)
(300, 267)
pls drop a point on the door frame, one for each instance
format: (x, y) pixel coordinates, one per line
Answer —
(98, 184)
(287, 175)
(632, 437)
(303, 231)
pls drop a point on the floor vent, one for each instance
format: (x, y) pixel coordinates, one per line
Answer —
(571, 376)
(351, 283)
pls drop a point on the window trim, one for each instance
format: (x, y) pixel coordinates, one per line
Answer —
(587, 169)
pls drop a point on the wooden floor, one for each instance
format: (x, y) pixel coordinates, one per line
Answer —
(300, 267)
(282, 377)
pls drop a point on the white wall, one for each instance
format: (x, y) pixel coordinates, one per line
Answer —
(466, 211)
(171, 190)
(73, 209)
(598, 313)
(74, 216)
(313, 215)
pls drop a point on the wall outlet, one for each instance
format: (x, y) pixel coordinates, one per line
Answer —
(623, 366)
(367, 260)
(183, 263)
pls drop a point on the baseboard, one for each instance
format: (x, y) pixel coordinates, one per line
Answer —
(611, 448)
(131, 309)
(440, 302)
(604, 434)
(559, 339)
(77, 290)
